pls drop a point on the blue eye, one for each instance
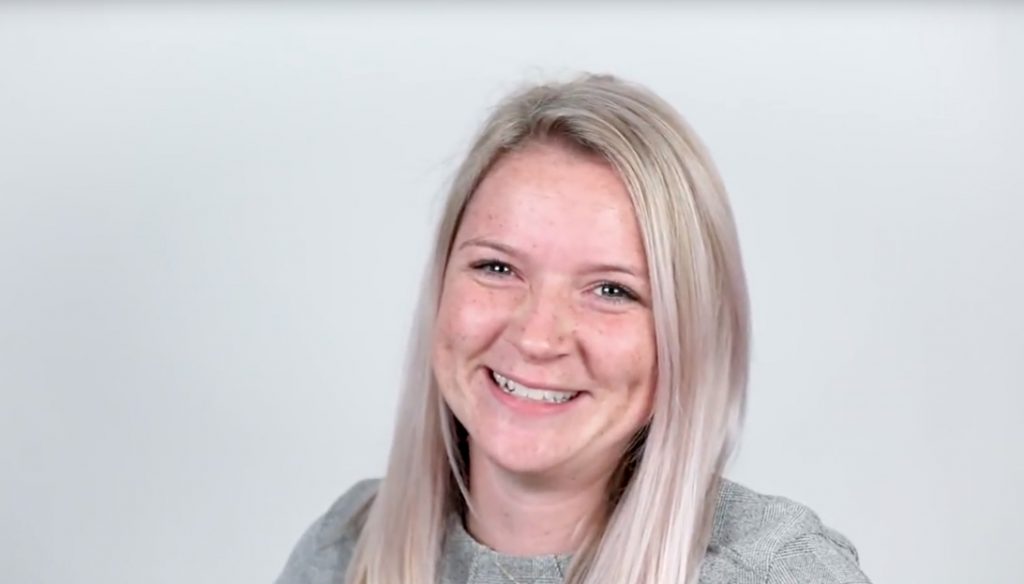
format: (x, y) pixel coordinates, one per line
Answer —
(616, 292)
(493, 267)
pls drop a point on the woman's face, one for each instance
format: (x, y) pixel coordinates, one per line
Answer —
(544, 347)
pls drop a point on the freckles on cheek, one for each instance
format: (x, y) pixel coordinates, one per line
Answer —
(477, 310)
(628, 354)
(460, 322)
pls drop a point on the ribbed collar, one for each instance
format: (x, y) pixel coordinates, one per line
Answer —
(467, 561)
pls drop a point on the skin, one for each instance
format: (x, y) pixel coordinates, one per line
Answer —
(547, 284)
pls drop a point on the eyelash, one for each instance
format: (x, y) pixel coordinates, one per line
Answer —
(622, 294)
(625, 294)
(488, 265)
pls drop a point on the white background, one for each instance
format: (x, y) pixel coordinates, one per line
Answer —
(213, 221)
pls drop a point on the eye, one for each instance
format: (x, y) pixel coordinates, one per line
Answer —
(493, 267)
(615, 292)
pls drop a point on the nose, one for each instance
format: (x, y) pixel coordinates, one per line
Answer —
(542, 328)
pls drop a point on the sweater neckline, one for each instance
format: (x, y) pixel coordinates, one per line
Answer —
(468, 560)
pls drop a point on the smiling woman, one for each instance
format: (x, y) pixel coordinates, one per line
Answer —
(578, 374)
(544, 349)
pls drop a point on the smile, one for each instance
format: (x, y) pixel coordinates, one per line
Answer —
(528, 393)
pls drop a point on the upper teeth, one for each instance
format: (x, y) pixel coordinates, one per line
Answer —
(520, 390)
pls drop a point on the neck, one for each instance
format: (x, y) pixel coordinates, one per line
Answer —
(529, 516)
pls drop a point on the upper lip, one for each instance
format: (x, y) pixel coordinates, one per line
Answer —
(534, 385)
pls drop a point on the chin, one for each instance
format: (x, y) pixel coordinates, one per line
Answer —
(519, 458)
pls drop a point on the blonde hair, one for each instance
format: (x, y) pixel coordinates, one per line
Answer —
(662, 500)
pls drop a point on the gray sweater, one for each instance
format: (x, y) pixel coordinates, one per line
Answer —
(756, 539)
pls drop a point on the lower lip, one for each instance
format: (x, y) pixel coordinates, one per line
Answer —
(528, 406)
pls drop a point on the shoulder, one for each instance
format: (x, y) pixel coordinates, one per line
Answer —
(771, 539)
(325, 548)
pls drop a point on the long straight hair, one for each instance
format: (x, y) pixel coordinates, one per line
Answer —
(661, 500)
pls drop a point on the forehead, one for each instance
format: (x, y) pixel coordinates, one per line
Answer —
(550, 193)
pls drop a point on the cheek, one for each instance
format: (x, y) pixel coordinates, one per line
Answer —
(623, 351)
(469, 317)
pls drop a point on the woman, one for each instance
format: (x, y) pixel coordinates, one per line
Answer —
(578, 374)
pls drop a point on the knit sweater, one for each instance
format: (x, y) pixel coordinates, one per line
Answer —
(755, 539)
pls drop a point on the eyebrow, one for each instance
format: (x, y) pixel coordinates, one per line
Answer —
(483, 242)
(511, 251)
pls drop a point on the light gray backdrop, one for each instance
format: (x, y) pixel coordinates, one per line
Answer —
(213, 219)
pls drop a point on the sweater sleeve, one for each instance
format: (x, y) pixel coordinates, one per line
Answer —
(822, 557)
(296, 569)
(323, 551)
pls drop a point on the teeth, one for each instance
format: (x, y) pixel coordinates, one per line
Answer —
(519, 390)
